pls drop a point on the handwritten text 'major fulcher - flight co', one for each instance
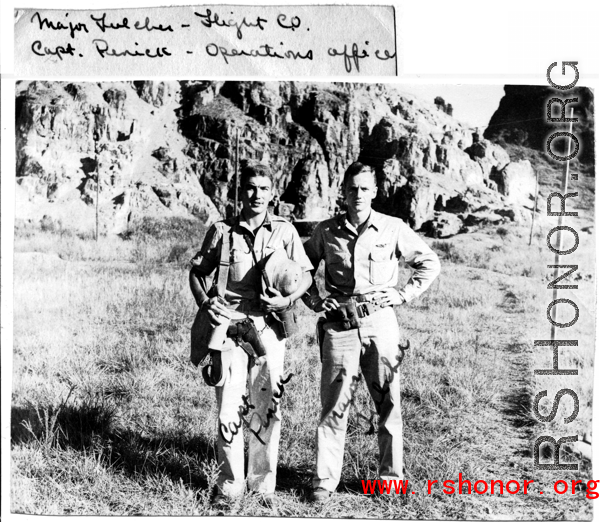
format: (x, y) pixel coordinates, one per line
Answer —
(352, 55)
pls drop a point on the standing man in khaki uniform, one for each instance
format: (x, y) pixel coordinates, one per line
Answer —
(254, 230)
(361, 249)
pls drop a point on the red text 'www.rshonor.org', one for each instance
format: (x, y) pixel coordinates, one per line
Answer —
(480, 487)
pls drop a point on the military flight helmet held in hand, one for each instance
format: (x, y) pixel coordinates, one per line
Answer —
(282, 273)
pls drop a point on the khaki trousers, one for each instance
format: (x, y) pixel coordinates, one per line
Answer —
(373, 347)
(257, 409)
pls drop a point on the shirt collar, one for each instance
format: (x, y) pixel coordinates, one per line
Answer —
(374, 220)
(268, 222)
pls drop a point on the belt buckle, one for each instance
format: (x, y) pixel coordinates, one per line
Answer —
(359, 310)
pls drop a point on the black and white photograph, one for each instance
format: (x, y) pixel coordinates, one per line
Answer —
(301, 299)
(309, 261)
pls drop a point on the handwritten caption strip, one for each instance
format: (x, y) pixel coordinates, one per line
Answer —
(219, 40)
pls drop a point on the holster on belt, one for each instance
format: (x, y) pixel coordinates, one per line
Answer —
(283, 322)
(349, 312)
(245, 334)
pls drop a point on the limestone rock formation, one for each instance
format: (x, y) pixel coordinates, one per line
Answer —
(516, 181)
(70, 137)
(169, 148)
(444, 224)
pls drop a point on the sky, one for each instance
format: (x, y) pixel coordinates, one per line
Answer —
(473, 104)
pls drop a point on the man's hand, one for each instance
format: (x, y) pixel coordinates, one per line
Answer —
(387, 297)
(275, 302)
(327, 305)
(217, 312)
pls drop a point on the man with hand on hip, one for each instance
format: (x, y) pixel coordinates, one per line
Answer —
(238, 249)
(361, 249)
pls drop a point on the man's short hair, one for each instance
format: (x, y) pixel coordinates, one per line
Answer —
(358, 168)
(256, 170)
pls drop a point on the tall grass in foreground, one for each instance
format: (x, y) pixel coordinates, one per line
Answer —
(109, 416)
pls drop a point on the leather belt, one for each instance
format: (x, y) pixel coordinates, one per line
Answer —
(350, 311)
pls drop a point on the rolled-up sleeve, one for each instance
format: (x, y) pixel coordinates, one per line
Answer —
(295, 250)
(417, 254)
(315, 248)
(207, 259)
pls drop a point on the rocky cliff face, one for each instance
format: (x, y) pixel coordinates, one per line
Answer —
(168, 148)
(521, 118)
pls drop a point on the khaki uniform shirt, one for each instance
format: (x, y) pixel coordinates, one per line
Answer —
(244, 279)
(357, 264)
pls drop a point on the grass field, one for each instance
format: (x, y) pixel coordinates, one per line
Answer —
(109, 417)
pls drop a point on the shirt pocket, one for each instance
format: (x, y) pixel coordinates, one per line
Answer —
(239, 264)
(381, 265)
(339, 266)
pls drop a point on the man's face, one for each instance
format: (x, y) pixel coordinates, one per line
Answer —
(359, 191)
(257, 192)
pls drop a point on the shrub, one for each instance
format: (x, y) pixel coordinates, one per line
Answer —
(174, 229)
(502, 232)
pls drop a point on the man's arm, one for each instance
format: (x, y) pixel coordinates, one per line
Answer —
(315, 250)
(203, 264)
(197, 289)
(421, 258)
